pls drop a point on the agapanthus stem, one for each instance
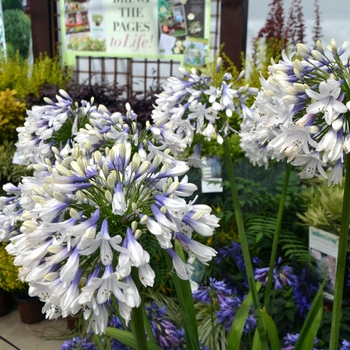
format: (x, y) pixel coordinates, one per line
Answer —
(99, 342)
(341, 262)
(185, 297)
(137, 318)
(276, 237)
(245, 248)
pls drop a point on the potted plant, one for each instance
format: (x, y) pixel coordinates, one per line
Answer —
(30, 308)
(97, 18)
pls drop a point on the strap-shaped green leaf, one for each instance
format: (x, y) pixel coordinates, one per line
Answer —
(271, 330)
(184, 294)
(312, 323)
(256, 341)
(235, 335)
(125, 337)
(128, 338)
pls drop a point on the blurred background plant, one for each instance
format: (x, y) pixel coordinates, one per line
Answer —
(9, 273)
(12, 5)
(12, 114)
(279, 33)
(10, 172)
(29, 78)
(322, 206)
(18, 30)
(21, 84)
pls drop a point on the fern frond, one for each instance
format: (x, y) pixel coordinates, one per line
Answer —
(296, 250)
(260, 232)
(211, 333)
(260, 226)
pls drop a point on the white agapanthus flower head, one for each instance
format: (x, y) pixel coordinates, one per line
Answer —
(79, 228)
(53, 124)
(301, 112)
(196, 108)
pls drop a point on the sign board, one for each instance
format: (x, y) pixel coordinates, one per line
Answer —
(323, 247)
(164, 29)
(211, 175)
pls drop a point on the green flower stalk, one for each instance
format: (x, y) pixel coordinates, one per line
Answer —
(341, 272)
(276, 238)
(245, 249)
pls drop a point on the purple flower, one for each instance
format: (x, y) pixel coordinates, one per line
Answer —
(345, 345)
(117, 345)
(167, 335)
(78, 344)
(304, 291)
(282, 276)
(204, 293)
(115, 322)
(235, 251)
(229, 305)
(290, 340)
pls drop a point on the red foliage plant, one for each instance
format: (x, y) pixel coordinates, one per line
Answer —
(279, 35)
(317, 31)
(295, 28)
(272, 32)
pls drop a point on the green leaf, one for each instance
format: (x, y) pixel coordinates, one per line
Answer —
(184, 294)
(128, 338)
(125, 337)
(256, 341)
(271, 331)
(312, 323)
(259, 236)
(234, 337)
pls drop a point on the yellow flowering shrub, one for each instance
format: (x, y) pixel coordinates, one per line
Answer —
(26, 78)
(12, 114)
(9, 272)
(46, 70)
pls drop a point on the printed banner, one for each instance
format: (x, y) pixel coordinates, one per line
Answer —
(136, 28)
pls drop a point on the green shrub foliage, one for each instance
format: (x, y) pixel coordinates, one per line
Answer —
(12, 5)
(17, 32)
